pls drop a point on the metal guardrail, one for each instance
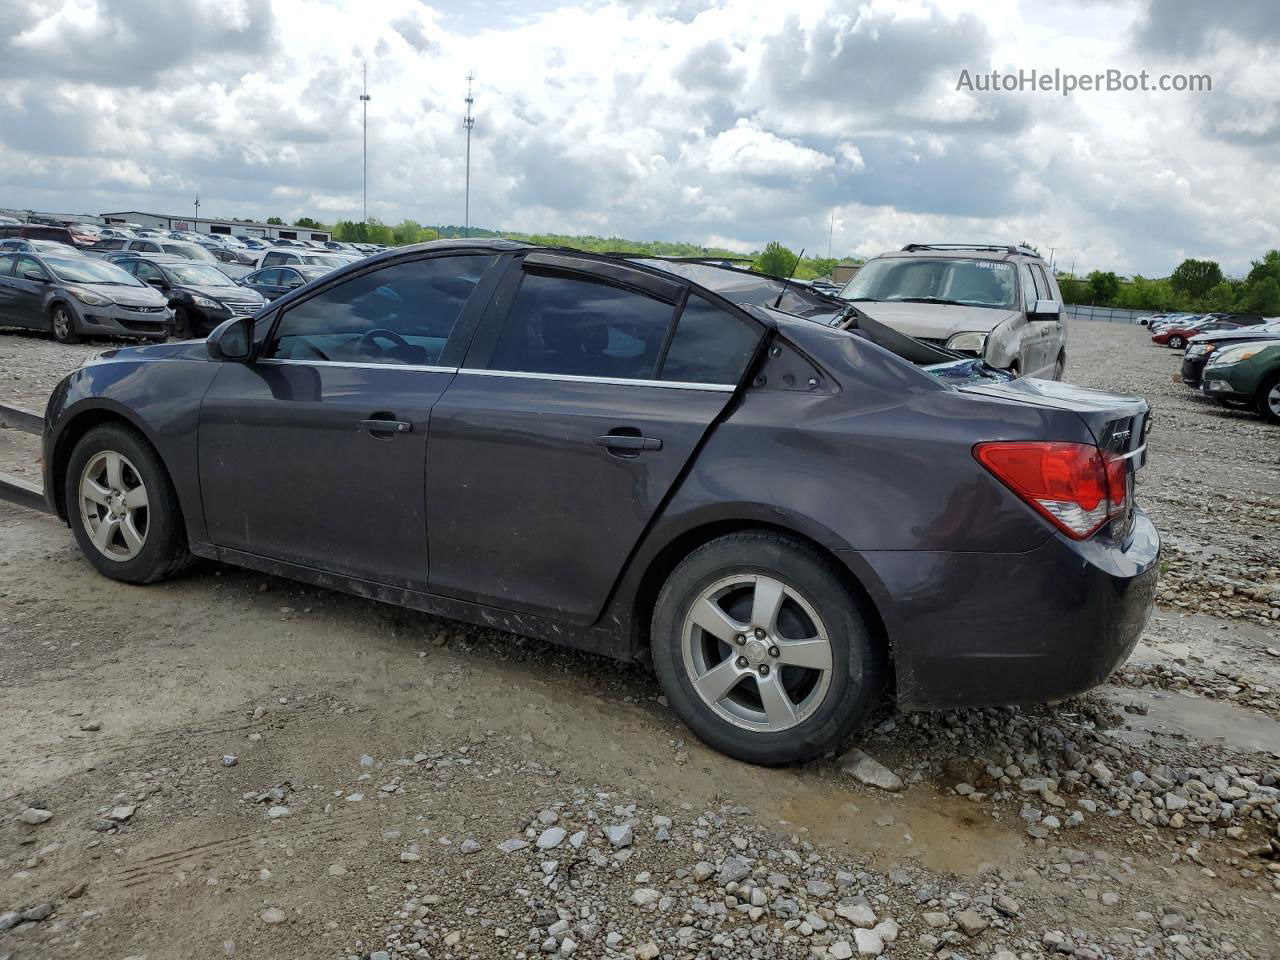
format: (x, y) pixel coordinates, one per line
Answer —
(15, 489)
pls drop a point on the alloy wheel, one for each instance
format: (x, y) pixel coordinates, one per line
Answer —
(61, 323)
(114, 505)
(1273, 399)
(757, 653)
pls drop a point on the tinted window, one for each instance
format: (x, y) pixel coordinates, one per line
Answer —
(268, 278)
(578, 327)
(6, 266)
(710, 346)
(402, 313)
(145, 271)
(273, 258)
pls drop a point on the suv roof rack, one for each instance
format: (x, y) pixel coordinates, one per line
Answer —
(993, 247)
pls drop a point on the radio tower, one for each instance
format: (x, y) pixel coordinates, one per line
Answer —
(468, 121)
(364, 103)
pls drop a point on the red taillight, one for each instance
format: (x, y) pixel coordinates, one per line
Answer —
(1074, 485)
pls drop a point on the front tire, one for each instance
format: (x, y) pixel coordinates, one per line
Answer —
(122, 507)
(762, 649)
(1268, 399)
(182, 327)
(62, 324)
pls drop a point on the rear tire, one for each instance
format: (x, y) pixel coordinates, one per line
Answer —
(789, 668)
(122, 507)
(1268, 399)
(62, 324)
(1176, 342)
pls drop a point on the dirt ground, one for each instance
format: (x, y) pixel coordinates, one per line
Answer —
(240, 766)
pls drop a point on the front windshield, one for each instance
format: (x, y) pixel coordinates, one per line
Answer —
(189, 250)
(84, 270)
(198, 275)
(977, 283)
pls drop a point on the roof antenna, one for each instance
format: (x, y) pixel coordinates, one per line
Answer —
(787, 282)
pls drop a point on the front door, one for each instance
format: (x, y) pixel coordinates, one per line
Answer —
(26, 296)
(315, 452)
(579, 405)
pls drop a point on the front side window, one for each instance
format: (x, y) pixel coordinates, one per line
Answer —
(710, 346)
(145, 271)
(975, 283)
(1028, 288)
(26, 265)
(576, 326)
(266, 278)
(399, 314)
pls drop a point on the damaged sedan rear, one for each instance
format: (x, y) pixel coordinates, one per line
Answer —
(793, 510)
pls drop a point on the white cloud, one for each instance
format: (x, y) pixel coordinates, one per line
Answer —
(734, 122)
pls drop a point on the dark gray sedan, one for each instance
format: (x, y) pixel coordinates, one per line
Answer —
(74, 296)
(793, 510)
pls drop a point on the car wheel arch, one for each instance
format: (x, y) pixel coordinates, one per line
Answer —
(75, 426)
(662, 562)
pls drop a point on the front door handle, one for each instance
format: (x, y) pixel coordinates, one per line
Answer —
(617, 441)
(386, 426)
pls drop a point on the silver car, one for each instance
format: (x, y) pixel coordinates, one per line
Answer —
(79, 296)
(999, 303)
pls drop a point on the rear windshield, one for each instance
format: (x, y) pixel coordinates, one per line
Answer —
(189, 250)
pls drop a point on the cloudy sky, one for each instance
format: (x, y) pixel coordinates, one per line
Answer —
(729, 122)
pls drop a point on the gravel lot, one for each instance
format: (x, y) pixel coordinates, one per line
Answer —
(230, 765)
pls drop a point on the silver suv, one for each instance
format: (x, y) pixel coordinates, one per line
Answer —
(1000, 303)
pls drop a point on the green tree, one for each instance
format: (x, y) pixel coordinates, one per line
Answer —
(1263, 297)
(1195, 278)
(309, 223)
(776, 261)
(275, 221)
(1104, 287)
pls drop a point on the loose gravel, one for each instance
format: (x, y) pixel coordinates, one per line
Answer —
(232, 765)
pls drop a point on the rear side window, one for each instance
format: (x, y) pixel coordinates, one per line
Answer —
(710, 346)
(6, 266)
(577, 326)
(402, 313)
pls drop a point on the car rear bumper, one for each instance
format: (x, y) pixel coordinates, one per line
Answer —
(981, 629)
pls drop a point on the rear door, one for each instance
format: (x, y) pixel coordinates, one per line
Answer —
(585, 393)
(315, 453)
(6, 286)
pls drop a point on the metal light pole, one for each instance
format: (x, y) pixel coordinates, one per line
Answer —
(468, 121)
(197, 216)
(364, 104)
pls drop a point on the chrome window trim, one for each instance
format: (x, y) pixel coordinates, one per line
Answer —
(616, 381)
(420, 368)
(1133, 453)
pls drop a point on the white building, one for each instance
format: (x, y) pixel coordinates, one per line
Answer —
(247, 228)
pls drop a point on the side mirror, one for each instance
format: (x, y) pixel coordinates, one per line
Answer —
(157, 282)
(293, 284)
(232, 340)
(36, 276)
(1046, 310)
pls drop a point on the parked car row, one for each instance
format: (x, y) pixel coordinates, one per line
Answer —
(1235, 365)
(48, 286)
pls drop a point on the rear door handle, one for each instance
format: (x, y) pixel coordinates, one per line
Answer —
(626, 442)
(386, 426)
